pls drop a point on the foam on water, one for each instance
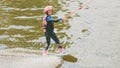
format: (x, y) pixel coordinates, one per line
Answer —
(26, 58)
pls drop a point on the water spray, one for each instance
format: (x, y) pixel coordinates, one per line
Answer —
(79, 8)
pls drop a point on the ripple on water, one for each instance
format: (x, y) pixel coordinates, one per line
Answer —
(4, 36)
(19, 9)
(17, 27)
(3, 46)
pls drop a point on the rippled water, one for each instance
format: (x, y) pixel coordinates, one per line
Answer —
(21, 23)
(91, 35)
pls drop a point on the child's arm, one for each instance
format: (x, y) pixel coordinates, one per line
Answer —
(50, 19)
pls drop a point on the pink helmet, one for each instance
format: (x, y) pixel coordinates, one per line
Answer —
(48, 8)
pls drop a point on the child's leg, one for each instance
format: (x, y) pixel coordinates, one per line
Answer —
(48, 41)
(48, 44)
(54, 37)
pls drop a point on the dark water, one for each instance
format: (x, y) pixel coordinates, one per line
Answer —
(21, 24)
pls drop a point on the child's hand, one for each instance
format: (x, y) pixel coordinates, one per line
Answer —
(63, 19)
(80, 7)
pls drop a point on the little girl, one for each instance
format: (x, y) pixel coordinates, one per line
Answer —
(48, 23)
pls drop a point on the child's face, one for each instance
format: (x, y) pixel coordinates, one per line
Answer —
(50, 12)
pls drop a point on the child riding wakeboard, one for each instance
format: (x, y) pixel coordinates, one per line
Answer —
(48, 23)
